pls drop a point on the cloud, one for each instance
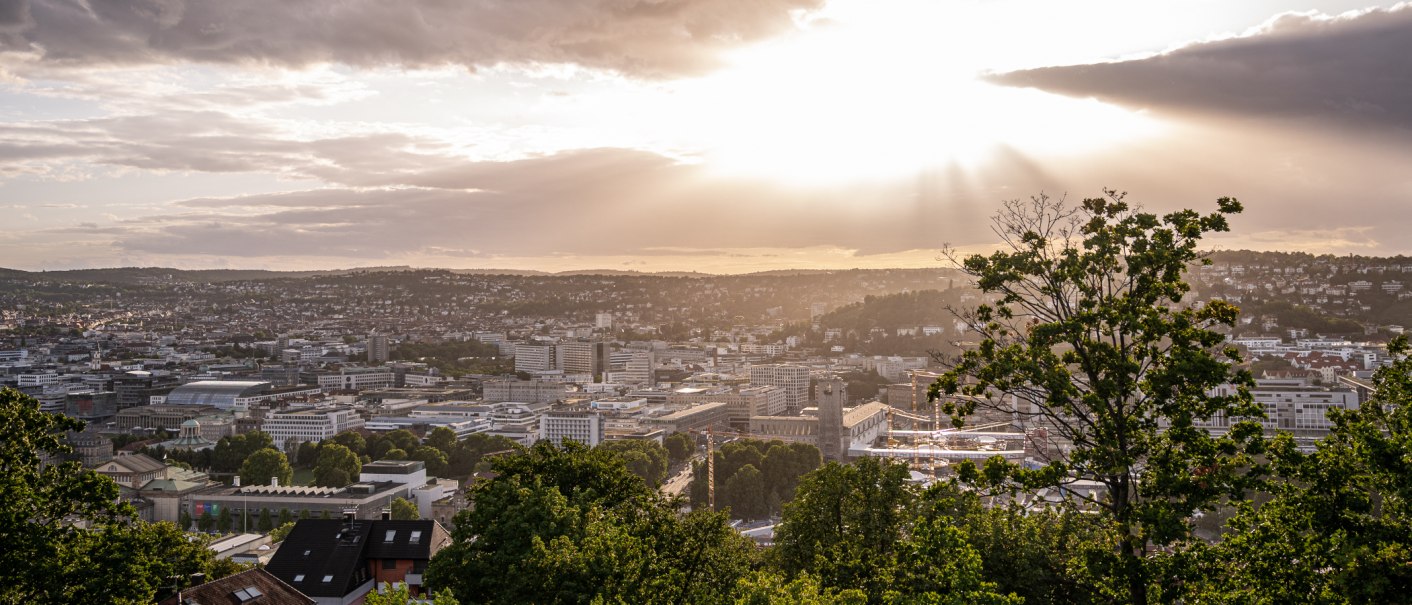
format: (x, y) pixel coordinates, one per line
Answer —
(645, 38)
(1351, 69)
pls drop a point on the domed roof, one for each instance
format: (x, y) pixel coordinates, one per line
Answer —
(191, 422)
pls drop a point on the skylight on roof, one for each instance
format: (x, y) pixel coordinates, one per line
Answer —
(416, 537)
(249, 593)
(391, 535)
(328, 578)
(299, 577)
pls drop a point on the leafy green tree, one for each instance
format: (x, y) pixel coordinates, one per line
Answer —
(764, 588)
(266, 521)
(573, 525)
(470, 451)
(403, 439)
(64, 535)
(404, 510)
(394, 454)
(443, 439)
(308, 454)
(433, 458)
(337, 466)
(1091, 337)
(230, 452)
(285, 517)
(646, 459)
(206, 522)
(184, 520)
(680, 447)
(745, 494)
(400, 594)
(278, 534)
(264, 466)
(353, 440)
(845, 525)
(224, 521)
(1338, 528)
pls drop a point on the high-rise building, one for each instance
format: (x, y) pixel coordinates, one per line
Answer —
(377, 348)
(832, 394)
(582, 357)
(581, 426)
(535, 357)
(793, 379)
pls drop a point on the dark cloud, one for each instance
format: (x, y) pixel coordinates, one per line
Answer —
(648, 38)
(1352, 69)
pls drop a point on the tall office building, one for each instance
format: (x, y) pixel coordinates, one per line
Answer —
(377, 348)
(582, 357)
(793, 379)
(535, 357)
(832, 394)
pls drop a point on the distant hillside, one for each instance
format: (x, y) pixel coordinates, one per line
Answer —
(892, 311)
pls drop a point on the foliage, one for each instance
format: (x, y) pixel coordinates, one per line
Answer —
(230, 452)
(781, 465)
(399, 594)
(1339, 526)
(353, 440)
(764, 588)
(278, 534)
(66, 536)
(264, 465)
(434, 459)
(337, 466)
(680, 447)
(844, 525)
(576, 526)
(646, 459)
(404, 510)
(461, 461)
(1090, 336)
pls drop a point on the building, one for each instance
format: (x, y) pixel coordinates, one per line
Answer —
(862, 425)
(165, 417)
(92, 449)
(378, 351)
(255, 586)
(793, 379)
(91, 406)
(537, 357)
(190, 438)
(365, 500)
(316, 424)
(338, 561)
(582, 357)
(833, 393)
(463, 427)
(358, 378)
(132, 470)
(1291, 405)
(412, 473)
(584, 427)
(743, 402)
(695, 418)
(234, 395)
(524, 391)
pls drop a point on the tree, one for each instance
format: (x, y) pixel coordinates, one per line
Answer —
(285, 516)
(399, 594)
(230, 452)
(308, 453)
(1338, 528)
(745, 494)
(266, 521)
(845, 525)
(395, 453)
(646, 459)
(337, 466)
(224, 522)
(264, 466)
(278, 534)
(206, 522)
(403, 439)
(352, 440)
(1092, 341)
(404, 510)
(443, 439)
(433, 458)
(573, 525)
(680, 447)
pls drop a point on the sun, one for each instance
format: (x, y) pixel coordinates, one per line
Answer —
(841, 104)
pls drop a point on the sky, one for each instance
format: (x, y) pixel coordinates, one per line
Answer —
(721, 136)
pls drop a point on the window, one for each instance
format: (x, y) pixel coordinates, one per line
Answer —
(391, 535)
(416, 537)
(328, 578)
(389, 564)
(299, 577)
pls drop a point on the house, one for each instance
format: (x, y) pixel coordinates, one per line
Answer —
(255, 586)
(338, 561)
(133, 470)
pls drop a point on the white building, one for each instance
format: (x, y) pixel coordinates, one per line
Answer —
(354, 379)
(793, 379)
(310, 424)
(584, 427)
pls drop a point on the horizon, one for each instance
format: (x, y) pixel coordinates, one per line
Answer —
(792, 135)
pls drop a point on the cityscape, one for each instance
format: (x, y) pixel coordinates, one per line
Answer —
(694, 301)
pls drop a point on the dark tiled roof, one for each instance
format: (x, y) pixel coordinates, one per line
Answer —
(431, 537)
(323, 548)
(236, 590)
(320, 548)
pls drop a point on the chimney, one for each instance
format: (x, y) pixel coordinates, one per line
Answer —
(386, 514)
(349, 516)
(237, 480)
(274, 481)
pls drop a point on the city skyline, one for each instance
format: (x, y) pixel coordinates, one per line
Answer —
(714, 136)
